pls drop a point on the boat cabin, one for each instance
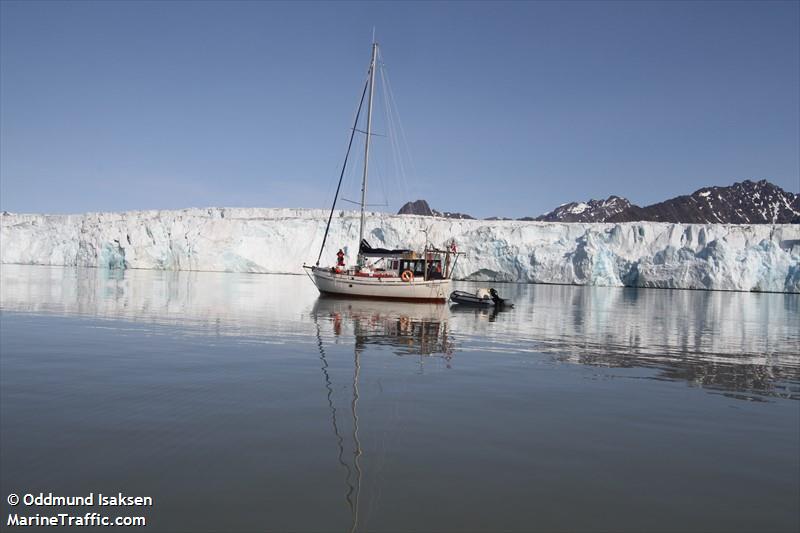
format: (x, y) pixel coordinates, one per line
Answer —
(405, 264)
(419, 267)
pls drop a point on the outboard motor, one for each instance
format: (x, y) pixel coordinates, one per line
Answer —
(495, 297)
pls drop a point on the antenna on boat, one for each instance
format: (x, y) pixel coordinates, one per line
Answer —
(366, 145)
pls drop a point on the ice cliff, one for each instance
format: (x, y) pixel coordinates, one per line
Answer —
(757, 257)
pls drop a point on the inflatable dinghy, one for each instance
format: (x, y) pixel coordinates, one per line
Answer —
(482, 298)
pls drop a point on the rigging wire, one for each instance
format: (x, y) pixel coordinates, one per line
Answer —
(381, 179)
(393, 104)
(402, 139)
(397, 159)
(344, 166)
(337, 433)
(357, 452)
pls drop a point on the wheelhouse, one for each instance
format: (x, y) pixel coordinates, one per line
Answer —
(430, 265)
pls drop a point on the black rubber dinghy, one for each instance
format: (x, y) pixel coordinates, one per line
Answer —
(482, 298)
(468, 298)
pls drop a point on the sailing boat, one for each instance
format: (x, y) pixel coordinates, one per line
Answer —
(402, 274)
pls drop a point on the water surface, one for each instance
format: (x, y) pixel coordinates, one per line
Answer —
(246, 403)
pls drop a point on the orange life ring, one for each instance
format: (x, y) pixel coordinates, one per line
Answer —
(407, 275)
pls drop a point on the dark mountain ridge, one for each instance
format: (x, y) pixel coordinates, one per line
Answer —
(421, 207)
(746, 202)
(591, 211)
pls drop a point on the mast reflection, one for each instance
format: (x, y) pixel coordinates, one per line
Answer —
(409, 328)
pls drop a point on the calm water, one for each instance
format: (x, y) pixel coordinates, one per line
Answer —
(246, 403)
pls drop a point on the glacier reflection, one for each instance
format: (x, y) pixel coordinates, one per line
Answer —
(739, 343)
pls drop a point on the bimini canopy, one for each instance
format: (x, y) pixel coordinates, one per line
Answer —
(368, 251)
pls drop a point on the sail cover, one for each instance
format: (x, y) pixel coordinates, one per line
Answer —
(369, 251)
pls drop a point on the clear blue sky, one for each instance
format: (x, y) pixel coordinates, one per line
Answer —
(509, 108)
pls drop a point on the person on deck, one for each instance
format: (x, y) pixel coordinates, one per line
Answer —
(340, 258)
(435, 270)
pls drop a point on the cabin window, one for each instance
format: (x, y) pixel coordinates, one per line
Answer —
(394, 265)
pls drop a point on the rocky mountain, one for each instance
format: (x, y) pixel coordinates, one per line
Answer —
(591, 211)
(417, 207)
(747, 202)
(421, 207)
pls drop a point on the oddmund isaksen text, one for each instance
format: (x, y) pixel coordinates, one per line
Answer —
(112, 500)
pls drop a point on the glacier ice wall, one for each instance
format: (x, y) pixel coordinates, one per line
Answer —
(757, 257)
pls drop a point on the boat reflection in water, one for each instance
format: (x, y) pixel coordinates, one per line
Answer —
(408, 328)
(481, 314)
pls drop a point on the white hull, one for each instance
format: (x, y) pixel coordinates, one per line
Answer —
(385, 288)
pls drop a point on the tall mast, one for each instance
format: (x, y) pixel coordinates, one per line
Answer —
(366, 147)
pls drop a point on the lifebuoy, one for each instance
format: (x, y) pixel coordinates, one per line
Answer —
(407, 275)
